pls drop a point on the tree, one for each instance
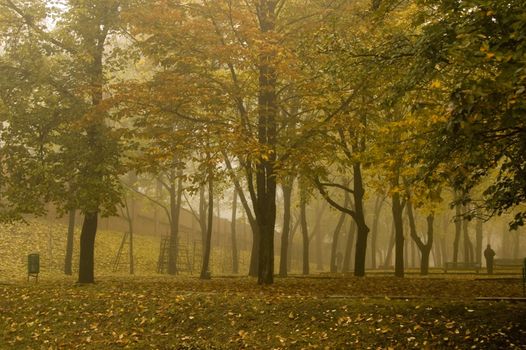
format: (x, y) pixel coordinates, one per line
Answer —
(477, 64)
(336, 236)
(425, 248)
(286, 188)
(233, 224)
(233, 65)
(78, 147)
(68, 259)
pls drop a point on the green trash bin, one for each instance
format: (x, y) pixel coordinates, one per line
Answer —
(33, 266)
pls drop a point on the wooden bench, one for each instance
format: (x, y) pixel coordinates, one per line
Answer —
(507, 263)
(461, 266)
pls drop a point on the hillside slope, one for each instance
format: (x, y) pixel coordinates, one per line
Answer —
(49, 240)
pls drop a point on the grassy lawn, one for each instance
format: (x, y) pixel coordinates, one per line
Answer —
(295, 313)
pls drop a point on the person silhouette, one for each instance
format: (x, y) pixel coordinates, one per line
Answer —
(489, 254)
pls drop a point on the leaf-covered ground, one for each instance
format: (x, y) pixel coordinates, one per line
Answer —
(161, 312)
(232, 313)
(49, 240)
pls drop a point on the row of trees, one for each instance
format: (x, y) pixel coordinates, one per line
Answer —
(346, 98)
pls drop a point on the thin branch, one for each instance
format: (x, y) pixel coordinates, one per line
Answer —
(28, 20)
(312, 131)
(151, 199)
(191, 208)
(330, 184)
(333, 203)
(241, 193)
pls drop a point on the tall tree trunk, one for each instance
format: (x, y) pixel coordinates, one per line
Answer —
(130, 210)
(406, 250)
(69, 243)
(287, 199)
(348, 248)
(318, 244)
(129, 219)
(202, 216)
(478, 241)
(458, 231)
(443, 249)
(398, 223)
(413, 253)
(389, 255)
(205, 268)
(87, 248)
(254, 253)
(437, 254)
(176, 191)
(172, 252)
(336, 235)
(267, 222)
(363, 230)
(316, 233)
(468, 246)
(156, 221)
(291, 245)
(132, 263)
(377, 211)
(235, 260)
(505, 249)
(95, 139)
(425, 248)
(265, 199)
(304, 232)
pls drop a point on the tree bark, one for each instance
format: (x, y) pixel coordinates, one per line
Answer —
(94, 134)
(304, 232)
(235, 260)
(468, 246)
(205, 268)
(425, 248)
(287, 199)
(176, 192)
(316, 233)
(478, 241)
(253, 269)
(202, 216)
(413, 253)
(254, 253)
(87, 248)
(458, 231)
(336, 235)
(443, 249)
(69, 243)
(398, 223)
(390, 247)
(424, 265)
(129, 219)
(291, 245)
(348, 249)
(363, 230)
(264, 196)
(406, 250)
(377, 211)
(437, 254)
